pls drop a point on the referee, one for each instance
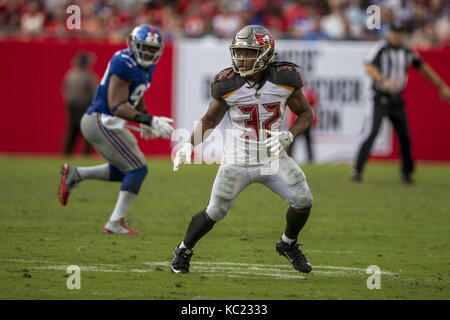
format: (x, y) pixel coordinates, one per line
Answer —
(387, 63)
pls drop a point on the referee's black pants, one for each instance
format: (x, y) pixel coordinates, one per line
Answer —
(394, 108)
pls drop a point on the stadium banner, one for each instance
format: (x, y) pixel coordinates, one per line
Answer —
(36, 117)
(334, 70)
(33, 105)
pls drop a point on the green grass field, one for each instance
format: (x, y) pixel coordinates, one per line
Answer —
(405, 230)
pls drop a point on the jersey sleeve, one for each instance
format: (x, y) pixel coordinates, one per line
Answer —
(413, 58)
(122, 68)
(225, 83)
(287, 75)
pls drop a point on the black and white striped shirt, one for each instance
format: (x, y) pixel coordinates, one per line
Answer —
(393, 63)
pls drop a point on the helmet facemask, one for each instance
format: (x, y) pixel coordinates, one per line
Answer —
(262, 59)
(146, 53)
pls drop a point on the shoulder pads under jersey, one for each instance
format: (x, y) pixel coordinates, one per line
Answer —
(285, 74)
(225, 82)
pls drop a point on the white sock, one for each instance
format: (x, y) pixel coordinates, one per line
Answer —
(287, 240)
(124, 202)
(100, 172)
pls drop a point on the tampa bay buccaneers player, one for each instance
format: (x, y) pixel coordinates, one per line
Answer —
(254, 94)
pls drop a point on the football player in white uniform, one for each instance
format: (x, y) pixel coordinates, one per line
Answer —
(254, 94)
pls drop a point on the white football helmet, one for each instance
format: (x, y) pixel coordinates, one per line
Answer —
(257, 38)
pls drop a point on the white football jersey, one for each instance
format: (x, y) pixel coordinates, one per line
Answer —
(251, 111)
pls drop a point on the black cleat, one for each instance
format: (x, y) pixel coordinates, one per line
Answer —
(294, 255)
(406, 178)
(180, 261)
(356, 176)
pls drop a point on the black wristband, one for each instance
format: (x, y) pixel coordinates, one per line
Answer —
(144, 118)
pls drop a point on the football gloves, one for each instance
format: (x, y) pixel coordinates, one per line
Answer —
(147, 132)
(279, 140)
(161, 127)
(183, 155)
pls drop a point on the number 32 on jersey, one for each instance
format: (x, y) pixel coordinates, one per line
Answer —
(257, 121)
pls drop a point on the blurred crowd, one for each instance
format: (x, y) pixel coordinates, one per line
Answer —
(427, 21)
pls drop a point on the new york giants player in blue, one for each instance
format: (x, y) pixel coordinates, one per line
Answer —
(118, 99)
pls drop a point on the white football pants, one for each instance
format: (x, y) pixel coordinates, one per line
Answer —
(283, 176)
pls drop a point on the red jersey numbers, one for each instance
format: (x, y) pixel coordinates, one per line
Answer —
(274, 108)
(254, 119)
(252, 122)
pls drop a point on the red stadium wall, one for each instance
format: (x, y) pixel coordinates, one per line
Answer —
(32, 108)
(34, 114)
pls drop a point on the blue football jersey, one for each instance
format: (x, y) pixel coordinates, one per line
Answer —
(125, 67)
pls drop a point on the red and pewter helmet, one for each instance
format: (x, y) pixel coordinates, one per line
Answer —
(257, 38)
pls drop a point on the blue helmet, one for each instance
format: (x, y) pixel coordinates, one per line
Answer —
(145, 42)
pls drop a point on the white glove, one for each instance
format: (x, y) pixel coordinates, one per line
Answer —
(183, 155)
(279, 140)
(147, 132)
(161, 127)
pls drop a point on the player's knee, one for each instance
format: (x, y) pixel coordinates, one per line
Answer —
(303, 199)
(216, 212)
(227, 182)
(133, 179)
(115, 174)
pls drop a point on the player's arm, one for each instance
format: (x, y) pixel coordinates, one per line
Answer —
(118, 103)
(141, 106)
(428, 72)
(146, 132)
(216, 110)
(299, 105)
(118, 99)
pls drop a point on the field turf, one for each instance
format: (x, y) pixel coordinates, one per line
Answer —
(405, 230)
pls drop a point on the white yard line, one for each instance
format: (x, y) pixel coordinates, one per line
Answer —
(213, 269)
(90, 268)
(218, 269)
(235, 272)
(274, 267)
